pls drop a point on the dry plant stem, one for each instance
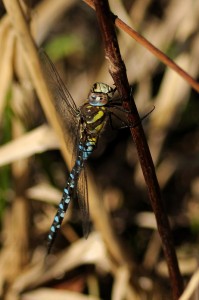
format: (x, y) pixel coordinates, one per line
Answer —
(24, 37)
(160, 55)
(118, 72)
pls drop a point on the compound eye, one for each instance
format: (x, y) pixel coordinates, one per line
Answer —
(97, 99)
(93, 96)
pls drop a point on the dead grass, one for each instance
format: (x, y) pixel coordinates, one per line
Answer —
(122, 257)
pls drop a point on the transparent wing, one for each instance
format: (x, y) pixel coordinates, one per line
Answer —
(62, 99)
(82, 194)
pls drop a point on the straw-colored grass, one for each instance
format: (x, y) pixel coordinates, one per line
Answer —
(122, 258)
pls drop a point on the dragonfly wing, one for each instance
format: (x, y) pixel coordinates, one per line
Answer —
(62, 99)
(82, 195)
(56, 83)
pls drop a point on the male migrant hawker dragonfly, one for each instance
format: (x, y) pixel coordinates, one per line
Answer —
(88, 120)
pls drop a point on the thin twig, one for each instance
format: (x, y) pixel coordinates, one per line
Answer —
(145, 43)
(118, 72)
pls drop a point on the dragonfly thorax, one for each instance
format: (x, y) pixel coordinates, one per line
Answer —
(92, 118)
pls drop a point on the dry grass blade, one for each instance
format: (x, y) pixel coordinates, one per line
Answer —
(81, 252)
(172, 88)
(33, 64)
(7, 41)
(51, 294)
(120, 287)
(44, 192)
(191, 287)
(36, 141)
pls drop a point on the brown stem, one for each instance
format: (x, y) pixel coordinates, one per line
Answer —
(118, 72)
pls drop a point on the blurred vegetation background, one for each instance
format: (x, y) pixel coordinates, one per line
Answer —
(33, 171)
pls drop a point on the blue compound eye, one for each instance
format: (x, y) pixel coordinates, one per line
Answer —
(97, 99)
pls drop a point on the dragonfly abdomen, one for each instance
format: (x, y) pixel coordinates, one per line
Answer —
(85, 151)
(68, 192)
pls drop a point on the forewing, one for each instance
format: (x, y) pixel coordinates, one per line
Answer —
(62, 99)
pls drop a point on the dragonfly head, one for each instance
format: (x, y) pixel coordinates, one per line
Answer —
(100, 94)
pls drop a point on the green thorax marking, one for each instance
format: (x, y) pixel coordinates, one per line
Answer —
(92, 118)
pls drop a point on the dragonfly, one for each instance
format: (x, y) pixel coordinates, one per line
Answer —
(88, 121)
